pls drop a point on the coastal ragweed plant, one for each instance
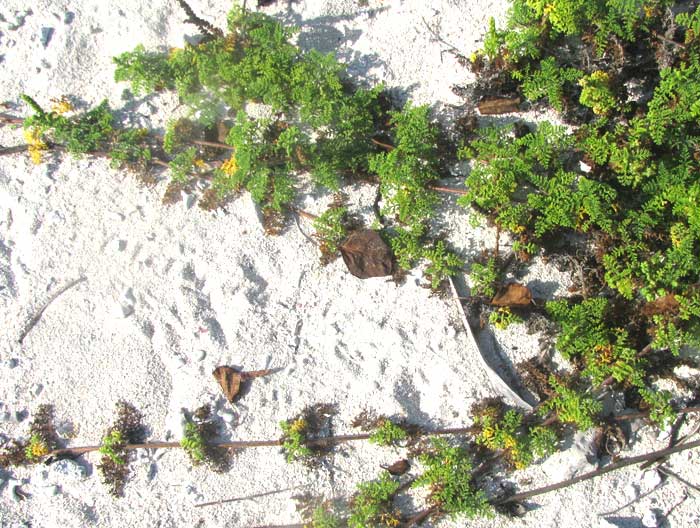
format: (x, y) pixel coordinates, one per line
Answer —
(293, 439)
(388, 433)
(126, 429)
(503, 318)
(372, 503)
(572, 407)
(318, 125)
(448, 477)
(505, 432)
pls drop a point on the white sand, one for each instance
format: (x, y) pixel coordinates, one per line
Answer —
(201, 290)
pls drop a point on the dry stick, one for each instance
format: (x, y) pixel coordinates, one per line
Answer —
(37, 316)
(243, 444)
(631, 461)
(7, 119)
(385, 146)
(633, 501)
(248, 497)
(205, 27)
(676, 476)
(13, 150)
(449, 190)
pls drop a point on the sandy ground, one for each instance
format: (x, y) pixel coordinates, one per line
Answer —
(172, 292)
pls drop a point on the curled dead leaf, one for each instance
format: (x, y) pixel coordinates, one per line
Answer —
(367, 255)
(513, 294)
(230, 379)
(499, 105)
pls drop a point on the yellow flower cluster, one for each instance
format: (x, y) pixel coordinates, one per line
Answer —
(36, 144)
(36, 449)
(61, 106)
(230, 166)
(297, 426)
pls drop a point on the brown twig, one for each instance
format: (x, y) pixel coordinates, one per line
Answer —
(385, 146)
(16, 149)
(205, 27)
(625, 462)
(7, 119)
(449, 190)
(37, 316)
(247, 497)
(243, 444)
(680, 479)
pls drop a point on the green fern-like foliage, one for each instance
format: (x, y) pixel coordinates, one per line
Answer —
(321, 126)
(405, 171)
(547, 81)
(506, 167)
(506, 432)
(572, 407)
(193, 443)
(586, 336)
(371, 505)
(388, 433)
(448, 477)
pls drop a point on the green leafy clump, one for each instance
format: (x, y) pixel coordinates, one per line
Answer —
(503, 318)
(585, 336)
(448, 476)
(36, 449)
(126, 429)
(193, 443)
(388, 433)
(505, 432)
(320, 125)
(405, 171)
(322, 517)
(597, 94)
(572, 407)
(658, 404)
(410, 246)
(484, 278)
(536, 165)
(112, 446)
(547, 81)
(442, 263)
(331, 230)
(87, 132)
(371, 505)
(293, 439)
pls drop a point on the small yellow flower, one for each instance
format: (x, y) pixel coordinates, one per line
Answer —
(61, 106)
(297, 426)
(200, 163)
(36, 145)
(36, 449)
(230, 166)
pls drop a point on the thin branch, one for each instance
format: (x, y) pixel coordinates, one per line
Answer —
(37, 316)
(243, 444)
(449, 190)
(680, 479)
(385, 146)
(248, 497)
(16, 149)
(633, 501)
(7, 119)
(205, 27)
(625, 462)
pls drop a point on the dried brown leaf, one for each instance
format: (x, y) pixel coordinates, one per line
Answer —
(513, 294)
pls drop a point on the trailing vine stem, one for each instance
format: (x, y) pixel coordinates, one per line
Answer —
(315, 442)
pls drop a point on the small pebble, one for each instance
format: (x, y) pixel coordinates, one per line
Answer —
(68, 17)
(12, 362)
(46, 34)
(201, 355)
(228, 417)
(37, 388)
